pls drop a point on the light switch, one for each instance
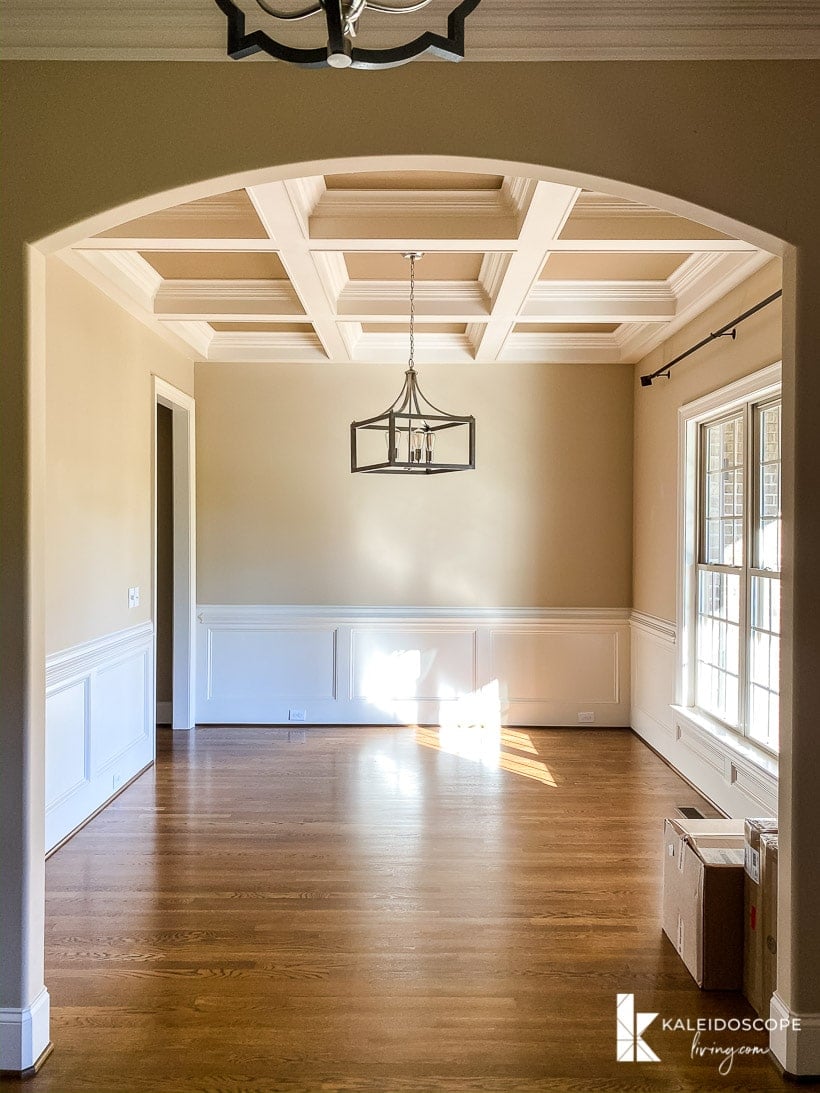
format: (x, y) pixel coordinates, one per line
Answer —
(134, 596)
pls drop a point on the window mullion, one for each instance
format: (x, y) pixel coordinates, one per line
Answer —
(749, 532)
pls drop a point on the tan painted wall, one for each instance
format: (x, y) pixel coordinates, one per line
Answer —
(99, 411)
(282, 520)
(656, 502)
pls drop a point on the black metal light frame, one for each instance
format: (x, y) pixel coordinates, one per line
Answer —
(412, 416)
(411, 424)
(450, 48)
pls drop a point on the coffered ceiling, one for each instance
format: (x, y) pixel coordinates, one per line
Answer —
(515, 270)
(527, 30)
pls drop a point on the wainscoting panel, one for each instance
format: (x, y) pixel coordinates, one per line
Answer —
(556, 667)
(343, 665)
(99, 724)
(722, 768)
(275, 662)
(66, 741)
(426, 665)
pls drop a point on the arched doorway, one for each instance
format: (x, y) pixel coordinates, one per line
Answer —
(663, 178)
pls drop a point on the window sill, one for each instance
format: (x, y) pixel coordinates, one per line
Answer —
(737, 747)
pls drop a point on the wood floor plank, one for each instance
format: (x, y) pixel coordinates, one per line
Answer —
(371, 909)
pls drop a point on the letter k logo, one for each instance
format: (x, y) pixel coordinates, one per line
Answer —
(630, 1027)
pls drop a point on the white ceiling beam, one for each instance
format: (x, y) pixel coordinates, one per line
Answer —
(546, 214)
(285, 225)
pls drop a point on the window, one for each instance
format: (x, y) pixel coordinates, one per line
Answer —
(732, 570)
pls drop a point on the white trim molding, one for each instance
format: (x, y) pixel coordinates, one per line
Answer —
(795, 1042)
(99, 724)
(24, 1036)
(267, 664)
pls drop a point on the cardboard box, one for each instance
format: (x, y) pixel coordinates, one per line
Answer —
(768, 884)
(753, 941)
(703, 899)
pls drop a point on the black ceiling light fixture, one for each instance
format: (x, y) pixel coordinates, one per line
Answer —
(342, 18)
(412, 436)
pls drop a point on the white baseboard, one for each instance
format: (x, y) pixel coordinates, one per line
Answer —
(165, 713)
(99, 724)
(795, 1042)
(24, 1034)
(268, 664)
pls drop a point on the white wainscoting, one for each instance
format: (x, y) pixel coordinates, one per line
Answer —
(99, 724)
(258, 664)
(723, 770)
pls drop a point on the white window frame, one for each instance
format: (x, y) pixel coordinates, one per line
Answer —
(757, 387)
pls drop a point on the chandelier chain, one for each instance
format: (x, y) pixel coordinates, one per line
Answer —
(412, 310)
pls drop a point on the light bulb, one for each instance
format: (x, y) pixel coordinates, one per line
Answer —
(429, 445)
(397, 437)
(417, 443)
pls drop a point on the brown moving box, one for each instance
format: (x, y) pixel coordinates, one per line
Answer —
(703, 899)
(768, 884)
(753, 940)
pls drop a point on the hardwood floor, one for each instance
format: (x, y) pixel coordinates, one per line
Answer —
(364, 909)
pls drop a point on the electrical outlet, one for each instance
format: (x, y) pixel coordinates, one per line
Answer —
(134, 596)
(586, 718)
(297, 715)
(116, 781)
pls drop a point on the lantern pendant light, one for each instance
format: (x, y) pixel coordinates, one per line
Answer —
(412, 436)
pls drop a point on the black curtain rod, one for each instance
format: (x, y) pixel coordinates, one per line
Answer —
(725, 331)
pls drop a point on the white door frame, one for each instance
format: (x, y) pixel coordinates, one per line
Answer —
(184, 509)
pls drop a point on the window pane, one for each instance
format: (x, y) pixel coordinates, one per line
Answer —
(717, 656)
(764, 661)
(722, 493)
(767, 516)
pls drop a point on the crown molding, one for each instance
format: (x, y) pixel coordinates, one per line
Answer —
(226, 300)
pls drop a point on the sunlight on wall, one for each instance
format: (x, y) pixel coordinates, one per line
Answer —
(391, 682)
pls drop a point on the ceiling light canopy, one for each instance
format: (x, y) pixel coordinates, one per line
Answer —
(342, 19)
(412, 436)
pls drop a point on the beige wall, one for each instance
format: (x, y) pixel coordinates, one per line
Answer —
(99, 430)
(656, 501)
(543, 521)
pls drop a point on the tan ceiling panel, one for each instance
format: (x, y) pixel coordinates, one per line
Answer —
(413, 180)
(262, 328)
(645, 227)
(216, 265)
(224, 216)
(435, 266)
(616, 266)
(565, 328)
(421, 328)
